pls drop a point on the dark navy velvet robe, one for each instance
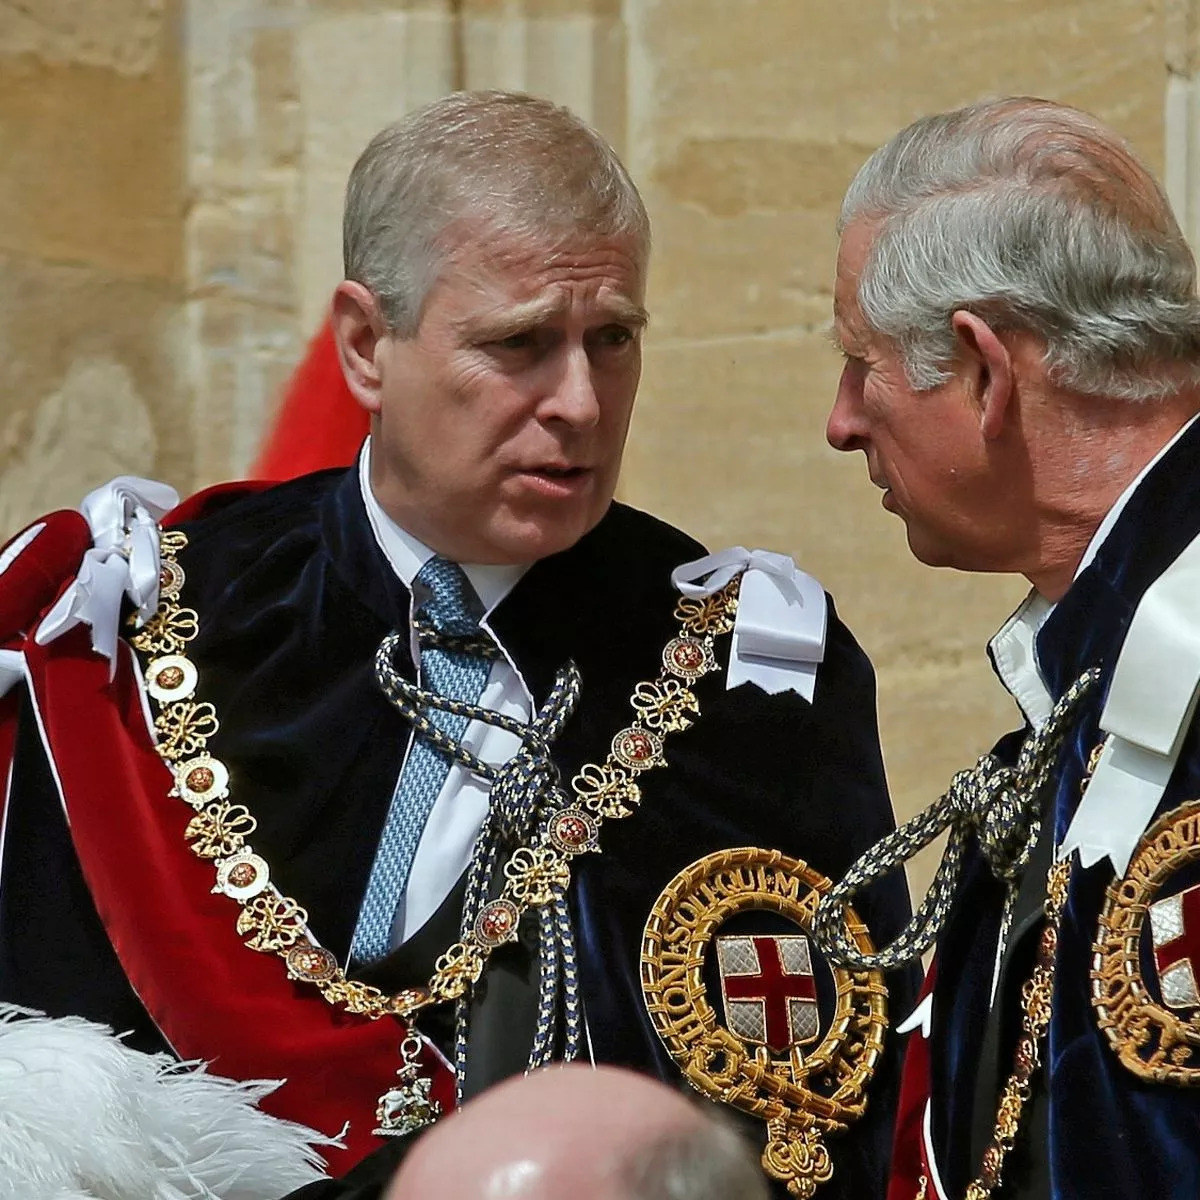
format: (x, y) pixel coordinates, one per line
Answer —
(1095, 1129)
(294, 596)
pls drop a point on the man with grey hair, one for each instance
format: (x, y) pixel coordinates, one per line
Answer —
(468, 768)
(1017, 309)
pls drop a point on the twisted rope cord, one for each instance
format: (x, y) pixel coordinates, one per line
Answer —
(996, 803)
(542, 1050)
(525, 792)
(572, 1008)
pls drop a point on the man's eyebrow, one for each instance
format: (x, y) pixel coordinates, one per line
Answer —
(495, 327)
(625, 312)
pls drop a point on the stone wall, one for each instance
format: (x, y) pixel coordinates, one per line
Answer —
(93, 374)
(169, 237)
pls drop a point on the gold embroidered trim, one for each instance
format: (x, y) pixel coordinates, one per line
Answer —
(1152, 1041)
(275, 924)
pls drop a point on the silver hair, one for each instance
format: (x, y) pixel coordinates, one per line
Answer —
(1035, 217)
(477, 164)
(708, 1161)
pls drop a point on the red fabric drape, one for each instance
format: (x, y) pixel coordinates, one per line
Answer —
(213, 998)
(909, 1165)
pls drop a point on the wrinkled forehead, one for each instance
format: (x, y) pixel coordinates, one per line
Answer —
(548, 269)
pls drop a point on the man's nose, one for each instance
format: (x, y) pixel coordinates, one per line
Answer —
(843, 430)
(574, 398)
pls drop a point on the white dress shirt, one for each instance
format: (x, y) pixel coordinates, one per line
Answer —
(458, 812)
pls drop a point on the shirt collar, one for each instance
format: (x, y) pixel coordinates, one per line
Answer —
(407, 554)
(1014, 648)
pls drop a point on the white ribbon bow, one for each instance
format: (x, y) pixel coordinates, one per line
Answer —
(1149, 709)
(779, 631)
(123, 517)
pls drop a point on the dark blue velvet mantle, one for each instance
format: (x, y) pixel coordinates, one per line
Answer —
(1098, 1131)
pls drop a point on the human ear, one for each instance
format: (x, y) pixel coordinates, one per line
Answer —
(980, 347)
(359, 331)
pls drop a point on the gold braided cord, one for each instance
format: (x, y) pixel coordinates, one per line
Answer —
(533, 875)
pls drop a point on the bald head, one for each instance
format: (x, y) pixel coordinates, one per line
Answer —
(590, 1134)
(1037, 218)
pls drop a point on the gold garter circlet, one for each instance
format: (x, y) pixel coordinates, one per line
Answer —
(801, 1094)
(534, 875)
(1158, 1041)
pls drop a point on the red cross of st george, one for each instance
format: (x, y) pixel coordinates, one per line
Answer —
(1184, 946)
(775, 988)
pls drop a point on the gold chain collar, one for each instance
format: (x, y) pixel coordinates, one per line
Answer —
(533, 875)
(1036, 996)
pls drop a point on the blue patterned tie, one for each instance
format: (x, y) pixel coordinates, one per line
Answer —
(454, 609)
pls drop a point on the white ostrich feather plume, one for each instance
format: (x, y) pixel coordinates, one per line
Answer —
(84, 1117)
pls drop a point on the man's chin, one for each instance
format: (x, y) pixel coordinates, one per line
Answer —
(528, 541)
(928, 550)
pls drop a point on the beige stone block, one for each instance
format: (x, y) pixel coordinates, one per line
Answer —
(398, 61)
(543, 8)
(92, 165)
(1181, 19)
(242, 246)
(801, 69)
(339, 8)
(92, 385)
(574, 58)
(242, 354)
(125, 36)
(276, 95)
(243, 110)
(716, 276)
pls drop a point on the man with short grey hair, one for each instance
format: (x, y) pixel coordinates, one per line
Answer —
(1017, 310)
(396, 781)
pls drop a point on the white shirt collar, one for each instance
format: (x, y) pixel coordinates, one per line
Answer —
(407, 554)
(1014, 648)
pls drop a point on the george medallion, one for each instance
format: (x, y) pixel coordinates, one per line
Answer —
(688, 658)
(637, 748)
(242, 876)
(171, 677)
(200, 780)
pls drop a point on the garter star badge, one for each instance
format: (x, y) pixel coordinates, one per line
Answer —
(750, 1012)
(1146, 960)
